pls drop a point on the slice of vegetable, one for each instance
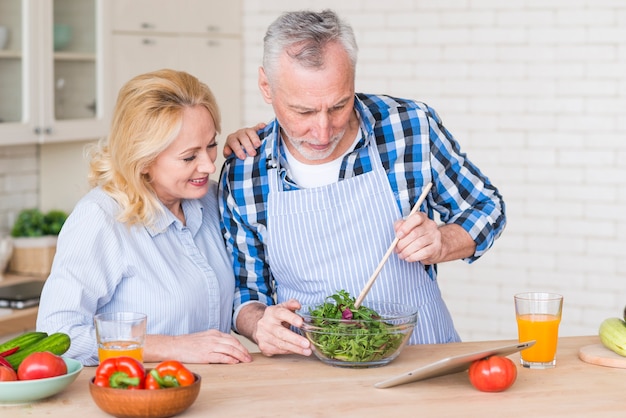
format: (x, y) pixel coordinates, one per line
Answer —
(9, 352)
(4, 363)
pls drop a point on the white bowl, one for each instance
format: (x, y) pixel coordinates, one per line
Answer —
(28, 391)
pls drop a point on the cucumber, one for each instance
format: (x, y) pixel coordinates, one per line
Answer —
(57, 343)
(613, 335)
(23, 340)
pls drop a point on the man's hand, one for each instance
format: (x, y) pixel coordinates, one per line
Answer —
(244, 141)
(421, 239)
(269, 328)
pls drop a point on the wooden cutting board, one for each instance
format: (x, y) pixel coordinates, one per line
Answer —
(602, 356)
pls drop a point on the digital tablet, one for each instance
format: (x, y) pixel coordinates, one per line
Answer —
(21, 295)
(450, 365)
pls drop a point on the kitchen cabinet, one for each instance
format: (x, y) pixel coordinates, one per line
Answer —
(201, 37)
(53, 79)
(182, 16)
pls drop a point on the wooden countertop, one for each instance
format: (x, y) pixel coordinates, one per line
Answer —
(289, 386)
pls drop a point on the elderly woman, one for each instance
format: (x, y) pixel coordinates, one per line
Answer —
(147, 238)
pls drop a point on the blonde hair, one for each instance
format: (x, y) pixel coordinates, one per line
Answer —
(146, 119)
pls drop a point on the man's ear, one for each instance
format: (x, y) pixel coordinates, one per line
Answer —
(264, 86)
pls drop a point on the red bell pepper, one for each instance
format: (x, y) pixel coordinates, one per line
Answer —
(120, 373)
(3, 361)
(9, 352)
(168, 374)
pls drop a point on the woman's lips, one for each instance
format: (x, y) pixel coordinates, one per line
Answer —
(199, 182)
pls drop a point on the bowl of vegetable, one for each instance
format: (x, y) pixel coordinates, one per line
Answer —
(124, 389)
(372, 335)
(28, 391)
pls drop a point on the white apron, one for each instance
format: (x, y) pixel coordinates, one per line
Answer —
(324, 239)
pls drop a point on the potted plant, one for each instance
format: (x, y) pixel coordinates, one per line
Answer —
(34, 241)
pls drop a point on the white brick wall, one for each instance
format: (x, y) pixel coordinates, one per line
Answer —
(19, 184)
(535, 91)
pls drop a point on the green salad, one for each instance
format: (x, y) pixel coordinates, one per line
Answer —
(349, 334)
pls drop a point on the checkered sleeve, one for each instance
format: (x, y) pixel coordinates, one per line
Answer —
(462, 194)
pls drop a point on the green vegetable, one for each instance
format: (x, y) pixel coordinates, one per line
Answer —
(57, 343)
(23, 340)
(29, 223)
(612, 334)
(345, 333)
(53, 221)
(34, 223)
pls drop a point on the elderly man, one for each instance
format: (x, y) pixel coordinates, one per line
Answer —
(313, 210)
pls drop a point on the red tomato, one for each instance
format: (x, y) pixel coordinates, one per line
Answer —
(493, 374)
(7, 374)
(41, 365)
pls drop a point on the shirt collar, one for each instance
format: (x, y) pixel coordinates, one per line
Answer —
(193, 210)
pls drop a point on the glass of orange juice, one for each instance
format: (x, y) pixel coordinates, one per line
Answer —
(538, 317)
(120, 334)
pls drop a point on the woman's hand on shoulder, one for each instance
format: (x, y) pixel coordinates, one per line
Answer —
(244, 141)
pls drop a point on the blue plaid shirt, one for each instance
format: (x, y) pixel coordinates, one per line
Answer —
(415, 148)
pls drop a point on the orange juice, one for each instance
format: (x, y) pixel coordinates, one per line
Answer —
(544, 329)
(120, 348)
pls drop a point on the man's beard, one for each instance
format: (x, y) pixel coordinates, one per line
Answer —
(300, 144)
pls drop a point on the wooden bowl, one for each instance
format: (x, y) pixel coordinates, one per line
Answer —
(158, 403)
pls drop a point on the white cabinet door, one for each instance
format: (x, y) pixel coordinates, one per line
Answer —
(19, 105)
(217, 62)
(201, 37)
(213, 16)
(139, 54)
(180, 16)
(146, 15)
(52, 90)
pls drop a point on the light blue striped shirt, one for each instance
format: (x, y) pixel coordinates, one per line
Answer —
(180, 276)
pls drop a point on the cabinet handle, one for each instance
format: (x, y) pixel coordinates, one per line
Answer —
(146, 25)
(46, 131)
(213, 28)
(212, 43)
(147, 41)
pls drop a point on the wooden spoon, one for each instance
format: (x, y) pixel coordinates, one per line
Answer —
(370, 282)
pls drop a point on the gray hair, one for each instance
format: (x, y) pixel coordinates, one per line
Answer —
(304, 36)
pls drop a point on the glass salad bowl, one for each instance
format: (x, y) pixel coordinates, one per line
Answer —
(372, 336)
